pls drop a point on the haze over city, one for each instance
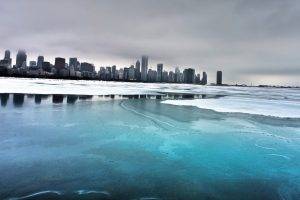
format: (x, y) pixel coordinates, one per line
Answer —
(250, 41)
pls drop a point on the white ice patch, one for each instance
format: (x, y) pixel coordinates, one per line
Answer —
(230, 104)
(83, 87)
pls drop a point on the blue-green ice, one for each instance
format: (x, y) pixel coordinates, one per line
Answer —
(143, 149)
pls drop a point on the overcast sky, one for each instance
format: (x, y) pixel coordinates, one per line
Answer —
(252, 41)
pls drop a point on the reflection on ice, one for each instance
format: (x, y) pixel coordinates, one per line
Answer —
(18, 99)
(57, 98)
(4, 98)
(38, 98)
(71, 99)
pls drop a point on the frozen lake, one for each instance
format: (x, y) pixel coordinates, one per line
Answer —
(161, 142)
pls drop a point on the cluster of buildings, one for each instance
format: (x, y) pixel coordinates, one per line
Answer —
(139, 72)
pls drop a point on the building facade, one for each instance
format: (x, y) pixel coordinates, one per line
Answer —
(219, 78)
(144, 68)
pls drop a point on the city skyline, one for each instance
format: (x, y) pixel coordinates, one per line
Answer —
(141, 71)
(255, 42)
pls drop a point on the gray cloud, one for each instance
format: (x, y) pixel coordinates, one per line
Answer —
(243, 38)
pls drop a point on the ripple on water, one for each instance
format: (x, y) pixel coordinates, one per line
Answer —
(38, 194)
(53, 194)
(83, 192)
(280, 156)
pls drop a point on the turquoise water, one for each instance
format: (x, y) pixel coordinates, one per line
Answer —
(143, 149)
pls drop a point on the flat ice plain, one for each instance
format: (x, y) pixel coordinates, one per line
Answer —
(275, 102)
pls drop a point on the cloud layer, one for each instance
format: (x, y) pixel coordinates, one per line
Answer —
(251, 41)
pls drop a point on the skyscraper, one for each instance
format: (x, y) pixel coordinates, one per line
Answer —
(171, 77)
(204, 78)
(21, 58)
(219, 78)
(47, 66)
(121, 74)
(144, 68)
(73, 62)
(5, 63)
(7, 55)
(126, 74)
(114, 72)
(177, 75)
(7, 58)
(59, 63)
(87, 67)
(198, 79)
(165, 77)
(101, 73)
(131, 73)
(189, 75)
(138, 70)
(159, 72)
(40, 61)
(108, 75)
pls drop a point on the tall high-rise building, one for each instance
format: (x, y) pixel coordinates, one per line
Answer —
(87, 67)
(198, 79)
(87, 70)
(21, 58)
(7, 59)
(144, 68)
(73, 62)
(189, 75)
(204, 78)
(171, 77)
(114, 72)
(177, 75)
(40, 61)
(126, 74)
(108, 74)
(101, 73)
(138, 70)
(59, 63)
(219, 78)
(165, 77)
(131, 73)
(159, 72)
(71, 67)
(47, 66)
(121, 74)
(152, 75)
(7, 55)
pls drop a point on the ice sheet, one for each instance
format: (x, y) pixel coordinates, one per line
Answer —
(276, 102)
(82, 87)
(231, 104)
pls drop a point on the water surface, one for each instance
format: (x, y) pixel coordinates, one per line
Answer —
(135, 147)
